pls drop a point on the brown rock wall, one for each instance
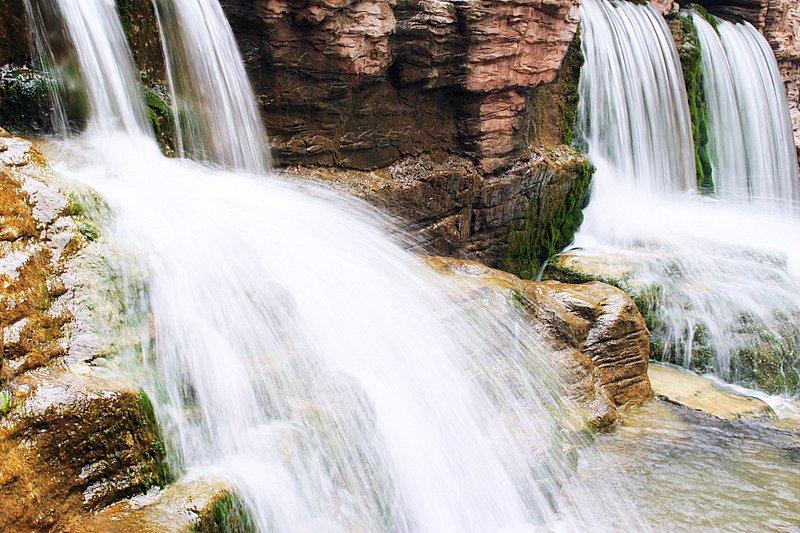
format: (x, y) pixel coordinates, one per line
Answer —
(361, 84)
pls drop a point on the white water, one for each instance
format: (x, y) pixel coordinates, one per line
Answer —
(728, 273)
(300, 352)
(216, 117)
(751, 147)
(634, 112)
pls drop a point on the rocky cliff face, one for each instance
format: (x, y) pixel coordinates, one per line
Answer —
(441, 90)
(362, 83)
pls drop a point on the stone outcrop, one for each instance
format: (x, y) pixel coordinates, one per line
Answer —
(699, 393)
(76, 437)
(205, 504)
(595, 334)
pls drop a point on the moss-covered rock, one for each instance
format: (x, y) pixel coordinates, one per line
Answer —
(554, 106)
(762, 354)
(552, 217)
(204, 505)
(73, 437)
(691, 63)
(25, 103)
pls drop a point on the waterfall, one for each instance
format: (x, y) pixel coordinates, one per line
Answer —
(94, 34)
(296, 348)
(216, 116)
(723, 276)
(634, 111)
(751, 145)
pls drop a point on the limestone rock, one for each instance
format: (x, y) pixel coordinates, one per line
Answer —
(695, 392)
(594, 331)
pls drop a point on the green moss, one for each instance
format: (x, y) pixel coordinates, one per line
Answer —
(163, 472)
(228, 515)
(5, 403)
(705, 15)
(537, 238)
(769, 359)
(691, 64)
(125, 11)
(554, 106)
(160, 114)
(573, 62)
(24, 100)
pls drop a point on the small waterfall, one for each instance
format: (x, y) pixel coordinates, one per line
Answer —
(216, 116)
(751, 146)
(91, 33)
(303, 354)
(634, 112)
(724, 276)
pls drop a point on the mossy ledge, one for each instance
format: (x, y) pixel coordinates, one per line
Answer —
(549, 226)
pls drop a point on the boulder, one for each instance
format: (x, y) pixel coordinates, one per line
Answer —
(595, 333)
(203, 504)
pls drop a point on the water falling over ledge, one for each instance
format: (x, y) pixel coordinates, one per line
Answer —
(751, 145)
(723, 274)
(299, 351)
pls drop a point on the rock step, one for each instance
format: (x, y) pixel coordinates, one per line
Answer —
(701, 394)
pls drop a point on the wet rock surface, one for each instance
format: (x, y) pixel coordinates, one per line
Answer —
(698, 393)
(204, 504)
(595, 333)
(450, 208)
(74, 437)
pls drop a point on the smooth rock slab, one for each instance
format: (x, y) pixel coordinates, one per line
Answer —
(701, 394)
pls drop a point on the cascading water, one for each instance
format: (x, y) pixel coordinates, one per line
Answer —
(723, 275)
(216, 117)
(299, 352)
(635, 114)
(751, 147)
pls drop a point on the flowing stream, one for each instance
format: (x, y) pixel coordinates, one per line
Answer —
(722, 273)
(295, 349)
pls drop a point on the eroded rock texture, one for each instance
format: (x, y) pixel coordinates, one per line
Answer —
(595, 334)
(362, 83)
